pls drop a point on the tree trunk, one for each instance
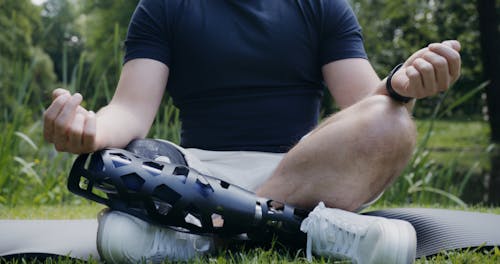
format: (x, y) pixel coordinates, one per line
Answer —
(490, 45)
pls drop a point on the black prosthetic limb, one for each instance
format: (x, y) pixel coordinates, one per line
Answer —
(181, 198)
(154, 148)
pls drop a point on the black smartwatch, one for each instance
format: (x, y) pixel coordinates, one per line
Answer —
(392, 93)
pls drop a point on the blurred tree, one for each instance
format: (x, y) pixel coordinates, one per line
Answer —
(490, 43)
(394, 29)
(24, 68)
(106, 23)
(61, 38)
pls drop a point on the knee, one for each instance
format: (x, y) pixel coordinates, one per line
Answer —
(390, 124)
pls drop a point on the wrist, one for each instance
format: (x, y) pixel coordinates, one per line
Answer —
(390, 91)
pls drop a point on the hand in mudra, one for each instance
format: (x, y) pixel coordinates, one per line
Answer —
(69, 126)
(429, 71)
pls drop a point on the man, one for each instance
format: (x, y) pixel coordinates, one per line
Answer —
(247, 78)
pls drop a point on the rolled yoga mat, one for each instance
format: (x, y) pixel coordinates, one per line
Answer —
(43, 238)
(443, 229)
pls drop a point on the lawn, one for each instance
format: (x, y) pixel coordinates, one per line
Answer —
(454, 150)
(465, 141)
(275, 255)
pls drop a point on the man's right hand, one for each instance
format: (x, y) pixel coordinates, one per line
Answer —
(69, 126)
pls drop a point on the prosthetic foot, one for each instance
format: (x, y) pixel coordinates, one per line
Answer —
(180, 197)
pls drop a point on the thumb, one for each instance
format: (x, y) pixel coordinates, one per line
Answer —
(400, 82)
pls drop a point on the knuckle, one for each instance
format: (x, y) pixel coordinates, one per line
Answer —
(48, 116)
(440, 62)
(73, 132)
(413, 74)
(426, 68)
(60, 124)
(423, 66)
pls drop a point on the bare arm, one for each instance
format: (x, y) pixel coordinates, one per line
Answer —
(132, 110)
(427, 72)
(129, 115)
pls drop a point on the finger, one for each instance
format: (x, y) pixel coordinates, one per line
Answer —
(58, 92)
(441, 71)
(65, 118)
(89, 133)
(427, 75)
(81, 110)
(451, 55)
(415, 83)
(75, 133)
(414, 56)
(453, 44)
(50, 115)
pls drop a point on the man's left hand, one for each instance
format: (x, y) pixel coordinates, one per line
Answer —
(429, 71)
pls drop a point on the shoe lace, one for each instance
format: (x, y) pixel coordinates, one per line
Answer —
(333, 235)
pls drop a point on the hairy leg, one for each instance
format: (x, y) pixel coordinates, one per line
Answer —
(348, 160)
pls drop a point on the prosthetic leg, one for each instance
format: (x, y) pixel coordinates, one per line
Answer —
(181, 198)
(176, 196)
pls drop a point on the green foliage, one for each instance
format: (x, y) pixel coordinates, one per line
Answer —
(426, 181)
(62, 37)
(22, 19)
(106, 23)
(394, 29)
(32, 171)
(23, 65)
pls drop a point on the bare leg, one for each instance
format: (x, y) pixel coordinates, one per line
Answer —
(347, 160)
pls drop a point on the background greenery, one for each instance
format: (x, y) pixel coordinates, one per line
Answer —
(79, 45)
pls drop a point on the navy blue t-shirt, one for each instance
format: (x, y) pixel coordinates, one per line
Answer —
(245, 74)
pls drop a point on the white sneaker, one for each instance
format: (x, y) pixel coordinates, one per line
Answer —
(122, 238)
(360, 238)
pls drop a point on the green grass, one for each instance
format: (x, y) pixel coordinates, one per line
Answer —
(277, 254)
(447, 167)
(82, 211)
(257, 256)
(467, 141)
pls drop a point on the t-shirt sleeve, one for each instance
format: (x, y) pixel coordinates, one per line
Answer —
(148, 34)
(341, 36)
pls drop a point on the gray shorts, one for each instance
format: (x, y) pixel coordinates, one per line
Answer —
(246, 169)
